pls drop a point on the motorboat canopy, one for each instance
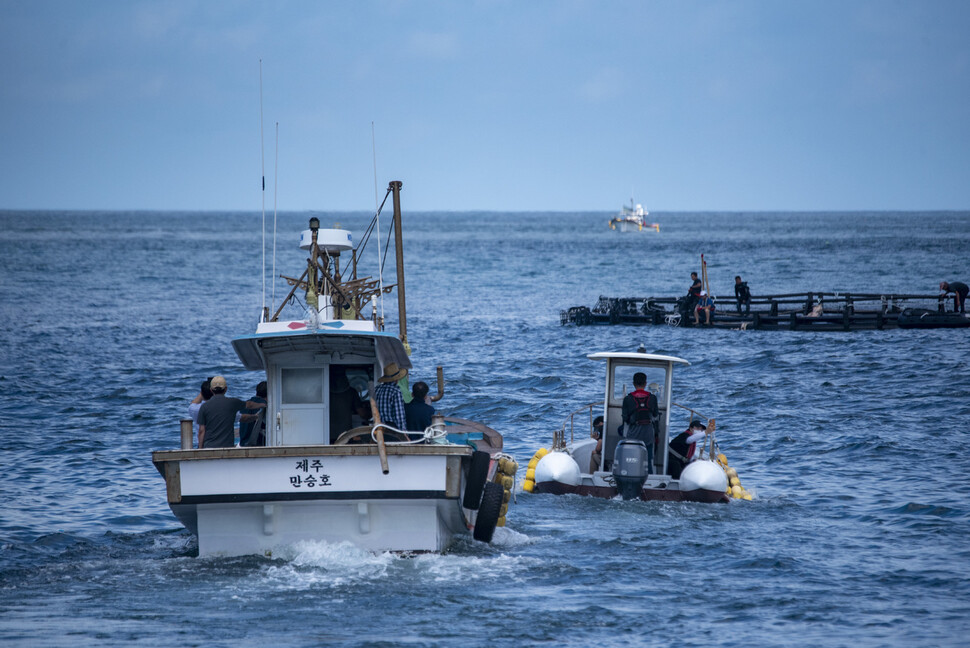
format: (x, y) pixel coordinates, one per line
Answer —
(628, 355)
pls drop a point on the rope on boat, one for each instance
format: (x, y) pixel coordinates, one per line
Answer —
(431, 434)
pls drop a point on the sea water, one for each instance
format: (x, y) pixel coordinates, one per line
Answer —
(854, 444)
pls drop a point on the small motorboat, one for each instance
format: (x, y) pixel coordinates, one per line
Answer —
(623, 467)
(633, 219)
(923, 318)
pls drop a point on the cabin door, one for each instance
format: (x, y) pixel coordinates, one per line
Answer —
(303, 398)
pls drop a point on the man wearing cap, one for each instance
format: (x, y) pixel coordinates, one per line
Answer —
(218, 416)
(390, 402)
(706, 304)
(680, 450)
(959, 290)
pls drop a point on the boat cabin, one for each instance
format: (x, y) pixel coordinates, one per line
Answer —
(620, 369)
(314, 378)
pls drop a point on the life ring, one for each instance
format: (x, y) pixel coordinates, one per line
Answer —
(477, 476)
(489, 512)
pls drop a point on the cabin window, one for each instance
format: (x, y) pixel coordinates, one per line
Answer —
(301, 386)
(623, 381)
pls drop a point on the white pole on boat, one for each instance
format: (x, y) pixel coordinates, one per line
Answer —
(377, 216)
(276, 177)
(262, 174)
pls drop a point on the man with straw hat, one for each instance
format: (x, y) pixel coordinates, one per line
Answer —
(387, 394)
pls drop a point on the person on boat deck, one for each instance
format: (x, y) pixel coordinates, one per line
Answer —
(742, 294)
(204, 394)
(706, 304)
(344, 401)
(681, 449)
(390, 402)
(248, 436)
(959, 290)
(361, 415)
(694, 292)
(639, 412)
(419, 411)
(596, 458)
(218, 416)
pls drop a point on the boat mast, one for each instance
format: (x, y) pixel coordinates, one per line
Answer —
(395, 187)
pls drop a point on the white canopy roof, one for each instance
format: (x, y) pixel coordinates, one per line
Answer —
(646, 358)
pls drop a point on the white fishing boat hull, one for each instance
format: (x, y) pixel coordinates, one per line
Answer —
(321, 476)
(633, 225)
(243, 501)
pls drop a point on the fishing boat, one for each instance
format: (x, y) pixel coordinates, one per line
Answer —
(633, 219)
(623, 467)
(318, 477)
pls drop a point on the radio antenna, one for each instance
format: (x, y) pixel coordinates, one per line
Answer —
(262, 173)
(377, 216)
(276, 178)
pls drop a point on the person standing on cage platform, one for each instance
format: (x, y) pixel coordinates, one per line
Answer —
(639, 412)
(959, 290)
(694, 292)
(742, 294)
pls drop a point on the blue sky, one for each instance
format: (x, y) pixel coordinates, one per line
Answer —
(517, 105)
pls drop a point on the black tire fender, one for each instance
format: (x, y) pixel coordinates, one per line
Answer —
(477, 475)
(489, 512)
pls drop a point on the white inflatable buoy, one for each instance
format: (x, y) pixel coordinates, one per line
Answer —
(703, 474)
(559, 467)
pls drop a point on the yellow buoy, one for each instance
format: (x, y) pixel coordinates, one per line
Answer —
(507, 466)
(530, 474)
(541, 452)
(731, 472)
(735, 491)
(501, 521)
(528, 485)
(746, 496)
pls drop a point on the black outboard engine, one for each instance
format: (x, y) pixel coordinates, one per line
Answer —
(630, 464)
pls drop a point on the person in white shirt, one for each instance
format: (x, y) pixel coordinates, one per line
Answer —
(204, 394)
(683, 447)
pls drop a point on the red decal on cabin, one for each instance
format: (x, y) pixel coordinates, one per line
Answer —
(296, 325)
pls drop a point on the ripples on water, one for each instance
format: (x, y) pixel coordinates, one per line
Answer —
(853, 443)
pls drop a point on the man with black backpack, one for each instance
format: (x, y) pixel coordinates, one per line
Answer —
(639, 412)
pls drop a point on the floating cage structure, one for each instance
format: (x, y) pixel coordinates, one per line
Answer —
(816, 311)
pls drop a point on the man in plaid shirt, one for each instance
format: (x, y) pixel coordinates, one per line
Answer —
(390, 402)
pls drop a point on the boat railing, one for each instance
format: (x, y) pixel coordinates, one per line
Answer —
(693, 413)
(559, 436)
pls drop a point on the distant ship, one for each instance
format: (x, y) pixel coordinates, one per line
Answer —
(633, 219)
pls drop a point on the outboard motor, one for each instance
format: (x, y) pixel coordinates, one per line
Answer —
(630, 464)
